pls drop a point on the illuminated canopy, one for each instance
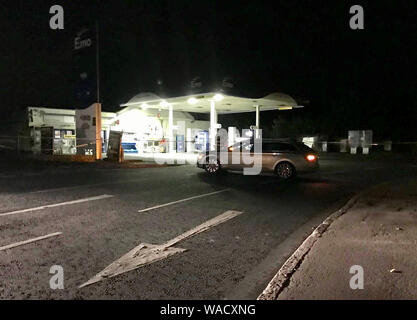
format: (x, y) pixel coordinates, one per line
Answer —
(200, 103)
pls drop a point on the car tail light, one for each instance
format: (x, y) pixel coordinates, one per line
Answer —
(311, 157)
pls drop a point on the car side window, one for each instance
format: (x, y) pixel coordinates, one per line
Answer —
(269, 147)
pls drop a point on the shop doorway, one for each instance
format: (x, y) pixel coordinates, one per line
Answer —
(47, 140)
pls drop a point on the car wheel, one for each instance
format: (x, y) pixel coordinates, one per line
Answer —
(212, 166)
(285, 170)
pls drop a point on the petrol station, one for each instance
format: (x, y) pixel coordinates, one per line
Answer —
(179, 128)
(150, 124)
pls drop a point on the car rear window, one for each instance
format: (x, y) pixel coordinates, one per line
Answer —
(303, 147)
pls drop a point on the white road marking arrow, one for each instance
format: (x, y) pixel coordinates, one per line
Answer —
(145, 254)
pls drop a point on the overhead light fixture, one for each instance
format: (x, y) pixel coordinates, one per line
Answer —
(164, 104)
(218, 97)
(249, 133)
(192, 100)
(285, 108)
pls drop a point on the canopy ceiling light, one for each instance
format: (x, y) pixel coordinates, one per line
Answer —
(218, 97)
(192, 100)
(164, 104)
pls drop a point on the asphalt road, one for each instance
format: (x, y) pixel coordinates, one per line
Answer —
(235, 259)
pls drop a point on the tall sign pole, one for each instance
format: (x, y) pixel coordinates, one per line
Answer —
(98, 61)
(98, 104)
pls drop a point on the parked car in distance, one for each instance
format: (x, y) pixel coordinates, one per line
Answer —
(283, 159)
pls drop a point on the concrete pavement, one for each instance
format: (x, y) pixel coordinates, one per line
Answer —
(367, 253)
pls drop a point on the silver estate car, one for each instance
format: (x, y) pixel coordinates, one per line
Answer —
(282, 158)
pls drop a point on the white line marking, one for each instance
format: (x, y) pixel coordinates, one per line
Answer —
(88, 185)
(7, 176)
(182, 200)
(145, 253)
(104, 196)
(21, 243)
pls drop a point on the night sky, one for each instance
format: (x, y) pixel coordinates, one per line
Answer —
(352, 79)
